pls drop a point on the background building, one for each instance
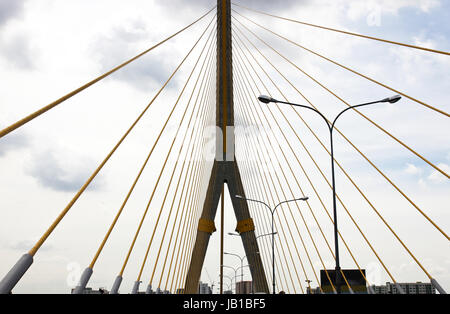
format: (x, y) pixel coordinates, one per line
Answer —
(90, 291)
(203, 288)
(244, 287)
(312, 290)
(408, 288)
(380, 289)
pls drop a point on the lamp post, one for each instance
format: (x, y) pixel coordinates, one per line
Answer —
(242, 263)
(252, 279)
(331, 125)
(243, 267)
(235, 272)
(257, 237)
(231, 279)
(272, 211)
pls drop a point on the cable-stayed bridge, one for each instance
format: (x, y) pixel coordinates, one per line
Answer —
(264, 150)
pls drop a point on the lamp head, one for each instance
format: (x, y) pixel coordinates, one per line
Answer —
(266, 99)
(392, 99)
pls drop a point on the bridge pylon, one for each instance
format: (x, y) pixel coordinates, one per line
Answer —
(225, 169)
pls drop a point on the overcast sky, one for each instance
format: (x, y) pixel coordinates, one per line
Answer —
(50, 47)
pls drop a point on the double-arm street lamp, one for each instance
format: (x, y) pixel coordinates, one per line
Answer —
(235, 272)
(242, 263)
(331, 125)
(260, 236)
(272, 211)
(231, 281)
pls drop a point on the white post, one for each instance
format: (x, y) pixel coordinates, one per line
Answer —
(116, 285)
(83, 281)
(14, 275)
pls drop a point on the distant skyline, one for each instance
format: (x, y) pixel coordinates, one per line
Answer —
(49, 47)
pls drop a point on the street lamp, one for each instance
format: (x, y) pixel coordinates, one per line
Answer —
(235, 273)
(273, 232)
(262, 235)
(268, 234)
(231, 279)
(331, 125)
(242, 263)
(243, 267)
(252, 279)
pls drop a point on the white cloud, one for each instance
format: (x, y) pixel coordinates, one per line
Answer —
(428, 43)
(13, 142)
(428, 5)
(18, 51)
(10, 9)
(24, 245)
(60, 169)
(122, 42)
(359, 9)
(412, 169)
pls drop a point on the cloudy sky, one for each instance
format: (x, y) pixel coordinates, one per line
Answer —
(50, 47)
